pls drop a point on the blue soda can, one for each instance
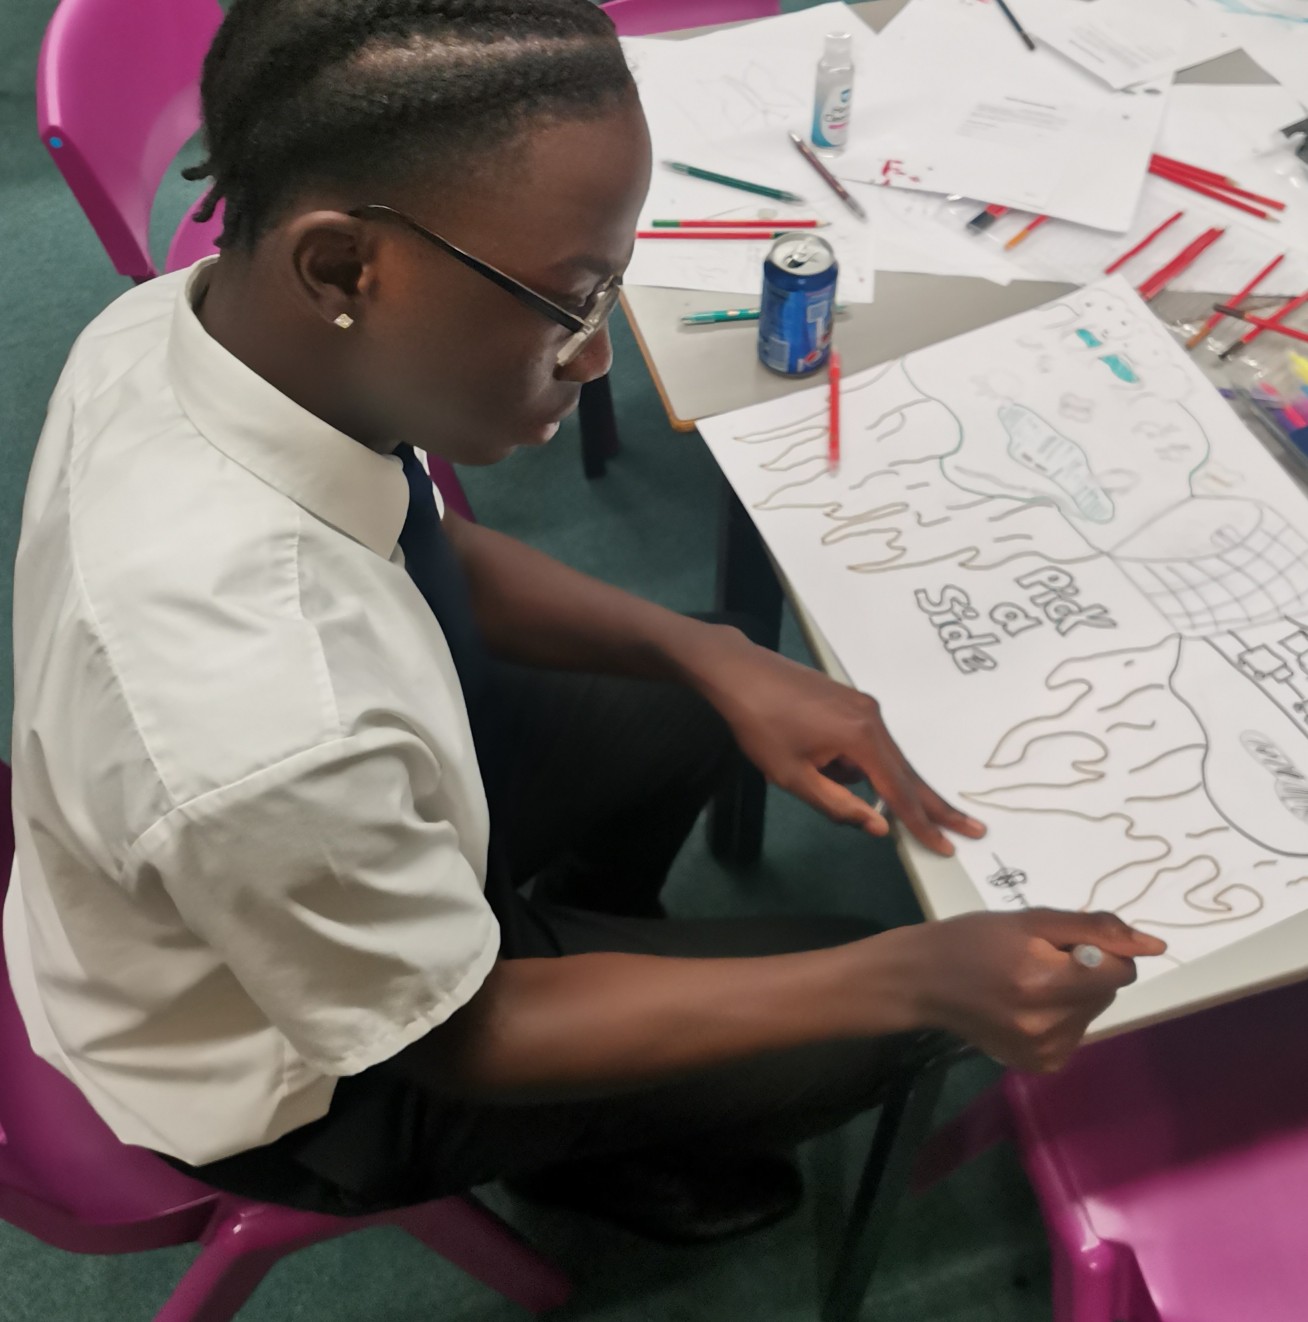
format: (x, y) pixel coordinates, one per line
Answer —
(799, 303)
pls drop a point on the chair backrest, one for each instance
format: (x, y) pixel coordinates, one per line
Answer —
(54, 1149)
(641, 18)
(117, 94)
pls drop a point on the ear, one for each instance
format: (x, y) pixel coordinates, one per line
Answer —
(332, 257)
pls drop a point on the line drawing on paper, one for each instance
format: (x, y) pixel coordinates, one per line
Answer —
(1168, 759)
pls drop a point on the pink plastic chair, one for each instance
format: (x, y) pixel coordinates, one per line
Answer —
(643, 18)
(1170, 1164)
(113, 136)
(67, 1180)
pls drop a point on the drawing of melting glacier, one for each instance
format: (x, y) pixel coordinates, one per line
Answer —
(1164, 776)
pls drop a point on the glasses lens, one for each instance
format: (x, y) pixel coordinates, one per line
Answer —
(605, 301)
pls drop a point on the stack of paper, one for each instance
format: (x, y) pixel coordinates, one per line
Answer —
(724, 102)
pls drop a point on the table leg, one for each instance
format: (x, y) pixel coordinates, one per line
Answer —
(904, 1123)
(747, 589)
(599, 427)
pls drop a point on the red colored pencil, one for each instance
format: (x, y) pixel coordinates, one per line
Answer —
(833, 412)
(1143, 244)
(1188, 255)
(737, 224)
(1026, 230)
(1198, 171)
(1262, 324)
(1218, 193)
(1224, 183)
(710, 234)
(1203, 332)
(1273, 321)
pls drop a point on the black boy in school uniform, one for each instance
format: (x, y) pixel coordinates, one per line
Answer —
(289, 744)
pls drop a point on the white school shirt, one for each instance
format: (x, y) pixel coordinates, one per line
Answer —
(251, 830)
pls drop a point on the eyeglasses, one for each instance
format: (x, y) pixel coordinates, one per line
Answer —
(583, 327)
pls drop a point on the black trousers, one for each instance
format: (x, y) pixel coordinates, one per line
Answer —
(606, 780)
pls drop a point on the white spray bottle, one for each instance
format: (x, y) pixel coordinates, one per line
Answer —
(834, 93)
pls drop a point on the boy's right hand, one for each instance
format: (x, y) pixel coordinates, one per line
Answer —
(1008, 984)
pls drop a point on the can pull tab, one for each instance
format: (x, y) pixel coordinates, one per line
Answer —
(800, 256)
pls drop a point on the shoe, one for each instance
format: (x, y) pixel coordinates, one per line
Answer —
(674, 1197)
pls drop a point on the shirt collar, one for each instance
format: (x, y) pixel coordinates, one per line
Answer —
(354, 489)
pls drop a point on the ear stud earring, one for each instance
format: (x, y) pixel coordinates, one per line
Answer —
(344, 321)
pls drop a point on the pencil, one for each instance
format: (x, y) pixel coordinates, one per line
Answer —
(1219, 181)
(738, 224)
(1188, 255)
(1021, 235)
(1206, 329)
(1218, 193)
(1143, 244)
(727, 181)
(828, 178)
(833, 412)
(1261, 324)
(1017, 27)
(710, 234)
(1197, 170)
(716, 317)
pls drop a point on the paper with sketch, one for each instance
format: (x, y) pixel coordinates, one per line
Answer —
(957, 104)
(1124, 42)
(1079, 588)
(724, 102)
(1223, 128)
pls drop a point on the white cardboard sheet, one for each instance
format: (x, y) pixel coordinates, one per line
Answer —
(1079, 588)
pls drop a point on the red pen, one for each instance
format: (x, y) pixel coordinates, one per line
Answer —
(833, 412)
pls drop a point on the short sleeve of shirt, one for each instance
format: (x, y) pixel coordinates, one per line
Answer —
(336, 893)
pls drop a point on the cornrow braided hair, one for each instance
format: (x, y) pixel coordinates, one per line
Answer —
(358, 91)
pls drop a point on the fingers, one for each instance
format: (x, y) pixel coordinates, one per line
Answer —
(838, 803)
(945, 814)
(1105, 930)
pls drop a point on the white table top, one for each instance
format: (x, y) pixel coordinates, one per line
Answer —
(700, 374)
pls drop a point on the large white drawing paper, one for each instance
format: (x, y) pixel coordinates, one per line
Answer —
(1079, 587)
(1126, 41)
(724, 102)
(959, 105)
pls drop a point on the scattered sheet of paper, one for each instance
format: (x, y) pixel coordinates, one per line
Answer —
(1125, 42)
(1222, 128)
(724, 102)
(1079, 588)
(959, 105)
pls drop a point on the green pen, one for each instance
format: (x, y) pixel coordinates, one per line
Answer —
(729, 314)
(779, 194)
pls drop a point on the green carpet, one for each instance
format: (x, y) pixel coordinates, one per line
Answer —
(970, 1251)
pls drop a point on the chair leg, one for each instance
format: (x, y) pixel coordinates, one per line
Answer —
(905, 1120)
(599, 427)
(221, 1279)
(747, 586)
(982, 1125)
(479, 1243)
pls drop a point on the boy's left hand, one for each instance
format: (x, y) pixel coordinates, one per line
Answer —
(805, 732)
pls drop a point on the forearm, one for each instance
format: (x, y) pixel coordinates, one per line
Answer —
(536, 611)
(586, 1025)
